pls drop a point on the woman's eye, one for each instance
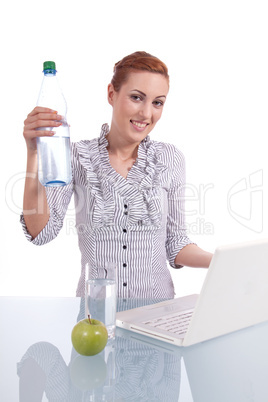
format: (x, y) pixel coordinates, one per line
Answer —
(136, 98)
(158, 103)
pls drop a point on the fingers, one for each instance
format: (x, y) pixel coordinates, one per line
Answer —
(42, 117)
(39, 114)
(38, 124)
(43, 121)
(41, 109)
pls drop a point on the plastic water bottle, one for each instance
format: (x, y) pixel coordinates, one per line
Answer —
(54, 153)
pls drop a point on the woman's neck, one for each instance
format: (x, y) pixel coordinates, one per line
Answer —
(122, 154)
(121, 149)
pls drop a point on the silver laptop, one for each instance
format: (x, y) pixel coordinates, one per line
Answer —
(234, 296)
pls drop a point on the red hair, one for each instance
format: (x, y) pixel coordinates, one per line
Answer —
(140, 61)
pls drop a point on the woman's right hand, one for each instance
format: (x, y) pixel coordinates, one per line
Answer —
(39, 118)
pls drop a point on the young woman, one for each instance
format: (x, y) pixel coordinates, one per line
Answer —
(128, 189)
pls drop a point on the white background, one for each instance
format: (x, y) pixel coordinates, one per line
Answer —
(216, 114)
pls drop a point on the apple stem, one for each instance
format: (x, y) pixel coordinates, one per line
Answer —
(89, 319)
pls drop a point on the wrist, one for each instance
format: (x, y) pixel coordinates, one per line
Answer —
(32, 163)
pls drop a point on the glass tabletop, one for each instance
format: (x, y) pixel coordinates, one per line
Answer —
(38, 362)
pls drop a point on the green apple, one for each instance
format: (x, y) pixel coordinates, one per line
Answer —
(89, 337)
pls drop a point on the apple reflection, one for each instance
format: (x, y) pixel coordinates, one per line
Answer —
(87, 374)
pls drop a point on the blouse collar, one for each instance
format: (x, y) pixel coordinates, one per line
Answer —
(105, 131)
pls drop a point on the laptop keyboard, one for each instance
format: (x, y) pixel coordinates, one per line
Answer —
(176, 323)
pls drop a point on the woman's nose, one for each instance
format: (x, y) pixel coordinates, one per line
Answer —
(146, 110)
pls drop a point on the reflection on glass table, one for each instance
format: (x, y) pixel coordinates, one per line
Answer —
(39, 364)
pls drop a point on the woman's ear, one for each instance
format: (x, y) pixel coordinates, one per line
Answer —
(110, 94)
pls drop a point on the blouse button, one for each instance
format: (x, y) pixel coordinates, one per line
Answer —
(124, 265)
(125, 230)
(124, 247)
(125, 212)
(124, 284)
(125, 206)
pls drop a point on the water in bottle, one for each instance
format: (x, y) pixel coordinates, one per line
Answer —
(54, 155)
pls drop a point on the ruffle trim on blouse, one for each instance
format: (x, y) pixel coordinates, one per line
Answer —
(141, 189)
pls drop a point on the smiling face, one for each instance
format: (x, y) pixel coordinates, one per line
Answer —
(137, 106)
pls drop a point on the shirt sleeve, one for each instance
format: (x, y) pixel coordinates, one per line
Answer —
(50, 361)
(58, 199)
(177, 237)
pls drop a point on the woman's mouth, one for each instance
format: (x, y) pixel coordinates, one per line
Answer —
(139, 125)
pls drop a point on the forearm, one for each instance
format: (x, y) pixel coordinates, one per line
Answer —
(35, 206)
(193, 256)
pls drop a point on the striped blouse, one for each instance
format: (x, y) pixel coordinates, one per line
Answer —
(136, 223)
